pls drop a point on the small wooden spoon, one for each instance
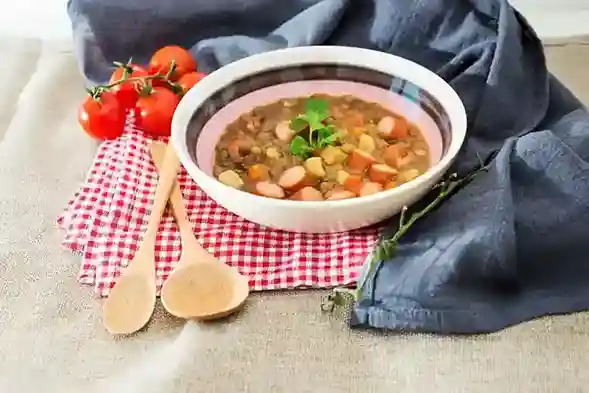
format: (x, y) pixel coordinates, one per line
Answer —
(131, 302)
(201, 287)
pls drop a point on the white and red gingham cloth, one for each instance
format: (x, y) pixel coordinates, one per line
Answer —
(105, 219)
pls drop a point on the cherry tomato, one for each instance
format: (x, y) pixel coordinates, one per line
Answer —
(155, 111)
(127, 92)
(102, 117)
(162, 59)
(187, 81)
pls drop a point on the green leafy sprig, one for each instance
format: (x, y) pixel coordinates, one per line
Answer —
(320, 132)
(387, 248)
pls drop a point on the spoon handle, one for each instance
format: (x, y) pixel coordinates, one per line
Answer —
(176, 197)
(190, 245)
(167, 178)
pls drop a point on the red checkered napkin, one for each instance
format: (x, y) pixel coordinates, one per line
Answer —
(106, 218)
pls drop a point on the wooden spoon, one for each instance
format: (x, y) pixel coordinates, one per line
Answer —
(131, 302)
(201, 287)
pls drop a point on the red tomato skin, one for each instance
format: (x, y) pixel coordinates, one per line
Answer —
(127, 92)
(161, 60)
(102, 118)
(155, 111)
(187, 81)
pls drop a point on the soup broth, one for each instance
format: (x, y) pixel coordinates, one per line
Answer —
(320, 148)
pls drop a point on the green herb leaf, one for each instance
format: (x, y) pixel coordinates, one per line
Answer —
(299, 123)
(324, 132)
(317, 112)
(319, 135)
(300, 147)
(319, 108)
(315, 121)
(330, 140)
(327, 136)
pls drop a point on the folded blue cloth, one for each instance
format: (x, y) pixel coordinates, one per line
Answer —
(512, 244)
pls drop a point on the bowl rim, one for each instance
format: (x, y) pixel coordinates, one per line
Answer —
(346, 55)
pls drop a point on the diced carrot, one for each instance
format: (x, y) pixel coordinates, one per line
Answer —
(307, 194)
(359, 161)
(394, 154)
(381, 173)
(258, 172)
(370, 188)
(401, 129)
(353, 183)
(339, 195)
(393, 127)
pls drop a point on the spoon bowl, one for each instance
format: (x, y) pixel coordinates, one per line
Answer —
(201, 287)
(204, 290)
(131, 304)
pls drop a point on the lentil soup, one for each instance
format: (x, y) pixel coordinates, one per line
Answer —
(318, 148)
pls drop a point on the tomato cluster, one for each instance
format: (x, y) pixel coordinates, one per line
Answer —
(152, 92)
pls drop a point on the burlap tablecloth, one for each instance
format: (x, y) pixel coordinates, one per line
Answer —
(52, 340)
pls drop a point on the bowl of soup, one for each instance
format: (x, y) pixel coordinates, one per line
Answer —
(319, 139)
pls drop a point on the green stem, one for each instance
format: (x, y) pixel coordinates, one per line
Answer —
(171, 70)
(402, 216)
(132, 79)
(98, 89)
(447, 188)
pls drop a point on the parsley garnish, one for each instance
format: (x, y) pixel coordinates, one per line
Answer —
(320, 132)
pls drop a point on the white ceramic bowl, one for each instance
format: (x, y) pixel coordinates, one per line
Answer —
(397, 83)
